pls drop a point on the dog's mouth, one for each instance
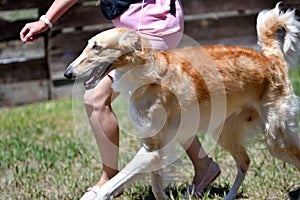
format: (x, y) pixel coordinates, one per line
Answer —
(96, 75)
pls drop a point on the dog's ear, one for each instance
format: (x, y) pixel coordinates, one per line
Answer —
(130, 41)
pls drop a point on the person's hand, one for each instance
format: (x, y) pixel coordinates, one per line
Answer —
(31, 31)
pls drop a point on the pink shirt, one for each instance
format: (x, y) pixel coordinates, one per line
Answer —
(154, 20)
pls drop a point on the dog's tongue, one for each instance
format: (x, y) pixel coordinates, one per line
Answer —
(92, 80)
(96, 75)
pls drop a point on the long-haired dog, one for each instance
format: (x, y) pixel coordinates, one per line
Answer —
(163, 85)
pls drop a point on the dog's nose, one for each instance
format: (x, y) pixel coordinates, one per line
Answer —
(68, 74)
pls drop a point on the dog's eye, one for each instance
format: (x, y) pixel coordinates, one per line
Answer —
(96, 46)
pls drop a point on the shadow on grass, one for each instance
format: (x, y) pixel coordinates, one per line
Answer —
(222, 191)
(176, 192)
(294, 194)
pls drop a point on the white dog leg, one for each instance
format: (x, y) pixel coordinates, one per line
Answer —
(144, 161)
(235, 187)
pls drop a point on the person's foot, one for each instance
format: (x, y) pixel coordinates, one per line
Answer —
(91, 193)
(107, 174)
(213, 171)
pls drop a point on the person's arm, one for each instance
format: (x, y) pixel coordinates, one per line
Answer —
(31, 30)
(58, 8)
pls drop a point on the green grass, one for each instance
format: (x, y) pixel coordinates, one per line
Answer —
(13, 15)
(45, 156)
(295, 78)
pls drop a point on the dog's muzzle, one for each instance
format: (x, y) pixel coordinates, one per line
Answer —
(95, 76)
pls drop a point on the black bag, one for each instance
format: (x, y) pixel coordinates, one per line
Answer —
(114, 8)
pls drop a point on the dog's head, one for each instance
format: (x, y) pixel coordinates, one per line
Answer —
(106, 51)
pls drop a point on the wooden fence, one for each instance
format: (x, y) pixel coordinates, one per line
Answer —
(34, 72)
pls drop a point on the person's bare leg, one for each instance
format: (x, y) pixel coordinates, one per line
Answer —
(206, 170)
(104, 126)
(200, 164)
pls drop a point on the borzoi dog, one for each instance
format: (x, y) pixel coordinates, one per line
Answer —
(162, 85)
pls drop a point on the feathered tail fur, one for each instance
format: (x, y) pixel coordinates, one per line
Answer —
(268, 23)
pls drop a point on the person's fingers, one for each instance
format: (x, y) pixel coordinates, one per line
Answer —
(28, 37)
(32, 38)
(23, 34)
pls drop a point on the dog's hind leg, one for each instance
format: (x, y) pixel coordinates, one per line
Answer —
(281, 130)
(283, 143)
(144, 161)
(284, 149)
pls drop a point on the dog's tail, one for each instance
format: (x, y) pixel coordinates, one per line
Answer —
(268, 23)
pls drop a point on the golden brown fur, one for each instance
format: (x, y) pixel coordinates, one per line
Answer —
(229, 91)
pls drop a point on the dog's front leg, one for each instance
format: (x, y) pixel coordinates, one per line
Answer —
(157, 184)
(144, 161)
